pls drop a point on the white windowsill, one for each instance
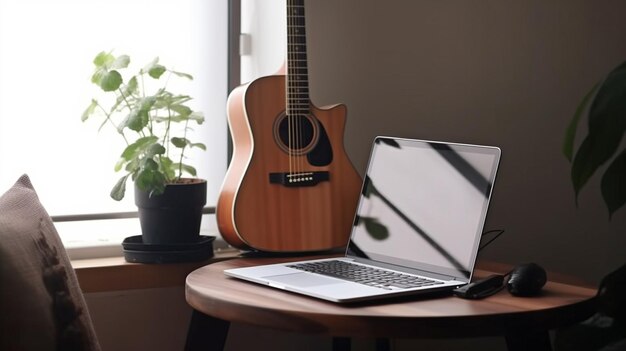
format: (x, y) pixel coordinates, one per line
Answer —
(103, 238)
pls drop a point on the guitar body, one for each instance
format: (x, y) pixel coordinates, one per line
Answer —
(281, 196)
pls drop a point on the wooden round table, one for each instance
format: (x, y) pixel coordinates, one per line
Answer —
(523, 321)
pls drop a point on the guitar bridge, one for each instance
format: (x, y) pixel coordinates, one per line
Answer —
(298, 179)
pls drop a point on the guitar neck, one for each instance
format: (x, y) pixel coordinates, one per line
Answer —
(297, 78)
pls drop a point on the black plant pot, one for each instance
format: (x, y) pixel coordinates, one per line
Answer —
(174, 216)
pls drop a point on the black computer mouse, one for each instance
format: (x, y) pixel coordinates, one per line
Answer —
(526, 280)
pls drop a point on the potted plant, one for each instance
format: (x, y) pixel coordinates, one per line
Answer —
(170, 205)
(604, 107)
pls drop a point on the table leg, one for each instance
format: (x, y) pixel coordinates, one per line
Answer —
(206, 333)
(538, 341)
(341, 344)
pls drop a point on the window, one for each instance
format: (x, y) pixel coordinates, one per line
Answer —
(46, 50)
(264, 39)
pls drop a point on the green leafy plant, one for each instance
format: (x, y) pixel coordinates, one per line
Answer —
(153, 156)
(605, 108)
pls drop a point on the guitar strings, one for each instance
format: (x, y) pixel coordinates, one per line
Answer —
(291, 108)
(296, 86)
(294, 105)
(299, 115)
(297, 109)
(289, 92)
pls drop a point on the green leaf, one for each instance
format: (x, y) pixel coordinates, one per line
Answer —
(155, 149)
(119, 164)
(132, 166)
(166, 165)
(183, 142)
(186, 169)
(138, 147)
(156, 71)
(163, 119)
(614, 184)
(136, 120)
(198, 145)
(103, 62)
(118, 191)
(570, 134)
(150, 180)
(118, 101)
(609, 101)
(96, 78)
(179, 142)
(172, 118)
(89, 110)
(131, 87)
(103, 59)
(585, 164)
(168, 99)
(158, 189)
(197, 116)
(181, 109)
(149, 66)
(178, 99)
(148, 164)
(120, 62)
(111, 81)
(148, 102)
(184, 75)
(607, 123)
(375, 228)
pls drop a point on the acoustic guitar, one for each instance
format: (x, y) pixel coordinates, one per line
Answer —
(290, 186)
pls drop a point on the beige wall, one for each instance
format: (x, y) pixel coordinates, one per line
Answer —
(506, 73)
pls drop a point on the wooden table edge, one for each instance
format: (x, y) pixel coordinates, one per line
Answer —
(312, 321)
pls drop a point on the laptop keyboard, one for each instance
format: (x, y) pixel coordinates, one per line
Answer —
(379, 278)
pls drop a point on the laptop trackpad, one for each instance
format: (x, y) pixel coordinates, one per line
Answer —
(302, 279)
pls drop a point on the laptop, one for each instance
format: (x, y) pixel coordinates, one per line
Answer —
(416, 230)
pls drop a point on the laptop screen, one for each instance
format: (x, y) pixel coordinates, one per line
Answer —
(423, 204)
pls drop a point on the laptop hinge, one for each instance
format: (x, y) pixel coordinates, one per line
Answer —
(406, 269)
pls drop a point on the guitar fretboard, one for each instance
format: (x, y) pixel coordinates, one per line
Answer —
(297, 71)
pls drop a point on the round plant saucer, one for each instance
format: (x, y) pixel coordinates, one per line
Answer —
(135, 250)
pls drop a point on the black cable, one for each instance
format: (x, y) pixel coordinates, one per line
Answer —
(498, 231)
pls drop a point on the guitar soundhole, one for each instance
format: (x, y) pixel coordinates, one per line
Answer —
(296, 134)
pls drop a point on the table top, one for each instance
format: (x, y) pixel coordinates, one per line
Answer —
(209, 291)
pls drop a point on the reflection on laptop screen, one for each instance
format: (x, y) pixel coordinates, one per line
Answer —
(423, 204)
